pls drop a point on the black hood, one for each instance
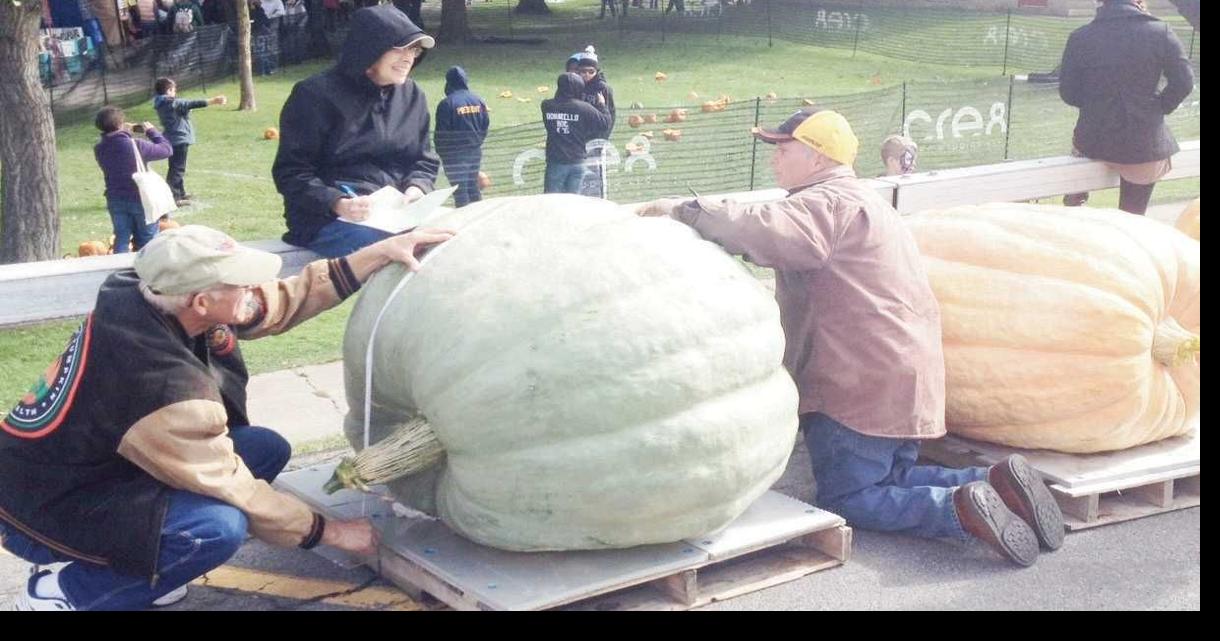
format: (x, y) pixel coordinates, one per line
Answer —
(455, 80)
(374, 31)
(569, 85)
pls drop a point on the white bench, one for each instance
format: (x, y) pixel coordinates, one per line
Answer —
(53, 289)
(35, 292)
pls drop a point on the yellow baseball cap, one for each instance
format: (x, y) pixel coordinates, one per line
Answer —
(193, 258)
(827, 132)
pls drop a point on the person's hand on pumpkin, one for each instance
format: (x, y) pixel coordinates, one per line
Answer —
(659, 207)
(403, 247)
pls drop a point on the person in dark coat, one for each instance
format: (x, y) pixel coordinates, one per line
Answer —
(570, 124)
(353, 129)
(596, 89)
(1111, 70)
(461, 127)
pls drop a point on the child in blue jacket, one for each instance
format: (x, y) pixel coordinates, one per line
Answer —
(176, 124)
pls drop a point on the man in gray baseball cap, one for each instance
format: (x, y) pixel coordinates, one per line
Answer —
(131, 464)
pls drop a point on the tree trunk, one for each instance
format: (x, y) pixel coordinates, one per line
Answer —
(454, 26)
(244, 70)
(29, 177)
(536, 7)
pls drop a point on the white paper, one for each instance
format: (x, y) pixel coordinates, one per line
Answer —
(389, 213)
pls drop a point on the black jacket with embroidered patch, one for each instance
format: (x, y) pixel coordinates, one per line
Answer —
(61, 481)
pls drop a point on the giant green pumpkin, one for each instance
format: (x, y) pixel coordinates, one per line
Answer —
(596, 380)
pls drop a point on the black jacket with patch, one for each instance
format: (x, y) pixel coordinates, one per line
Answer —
(61, 481)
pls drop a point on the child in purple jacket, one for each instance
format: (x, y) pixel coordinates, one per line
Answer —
(116, 155)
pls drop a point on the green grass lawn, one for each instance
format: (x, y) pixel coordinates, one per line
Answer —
(229, 170)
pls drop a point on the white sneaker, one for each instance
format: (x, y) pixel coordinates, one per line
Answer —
(171, 597)
(30, 601)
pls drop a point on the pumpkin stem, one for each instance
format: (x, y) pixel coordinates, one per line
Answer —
(410, 449)
(1173, 345)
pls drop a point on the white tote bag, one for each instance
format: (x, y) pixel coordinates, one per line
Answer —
(155, 194)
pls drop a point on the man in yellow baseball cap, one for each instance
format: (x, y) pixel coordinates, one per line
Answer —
(864, 348)
(827, 132)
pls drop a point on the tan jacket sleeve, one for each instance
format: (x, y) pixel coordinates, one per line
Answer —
(793, 234)
(187, 446)
(288, 302)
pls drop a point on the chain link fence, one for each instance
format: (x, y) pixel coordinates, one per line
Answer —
(955, 123)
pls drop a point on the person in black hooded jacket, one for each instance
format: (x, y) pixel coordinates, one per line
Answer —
(353, 129)
(596, 88)
(570, 123)
(461, 127)
(1112, 68)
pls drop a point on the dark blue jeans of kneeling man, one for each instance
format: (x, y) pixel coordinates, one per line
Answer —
(875, 484)
(199, 535)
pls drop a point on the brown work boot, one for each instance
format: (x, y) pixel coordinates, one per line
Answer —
(983, 514)
(1023, 491)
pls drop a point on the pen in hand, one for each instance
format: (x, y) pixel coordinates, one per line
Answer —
(352, 207)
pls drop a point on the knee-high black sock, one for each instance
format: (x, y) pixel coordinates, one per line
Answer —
(1134, 198)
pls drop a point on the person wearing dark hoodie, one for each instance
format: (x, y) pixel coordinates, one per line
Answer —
(596, 88)
(570, 124)
(353, 129)
(461, 127)
(175, 115)
(1112, 70)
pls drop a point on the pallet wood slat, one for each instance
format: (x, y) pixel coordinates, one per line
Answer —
(1098, 489)
(777, 539)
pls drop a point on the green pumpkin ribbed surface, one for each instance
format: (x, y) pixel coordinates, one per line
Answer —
(597, 380)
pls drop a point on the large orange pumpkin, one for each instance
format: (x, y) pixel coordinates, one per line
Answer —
(1188, 221)
(1065, 328)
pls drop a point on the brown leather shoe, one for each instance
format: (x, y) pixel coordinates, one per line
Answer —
(983, 514)
(1023, 491)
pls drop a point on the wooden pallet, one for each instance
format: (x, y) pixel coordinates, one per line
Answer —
(778, 539)
(1097, 489)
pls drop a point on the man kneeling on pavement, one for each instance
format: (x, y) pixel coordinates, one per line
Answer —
(131, 467)
(863, 336)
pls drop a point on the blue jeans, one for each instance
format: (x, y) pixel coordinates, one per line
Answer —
(199, 534)
(874, 483)
(339, 238)
(563, 179)
(127, 217)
